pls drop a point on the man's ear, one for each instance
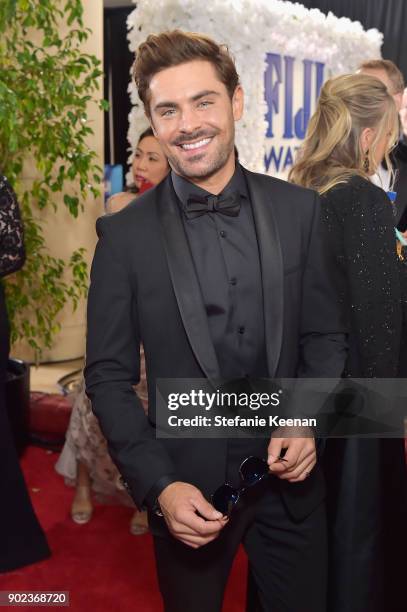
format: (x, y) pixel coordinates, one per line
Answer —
(238, 103)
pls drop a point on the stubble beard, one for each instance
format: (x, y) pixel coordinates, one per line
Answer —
(215, 163)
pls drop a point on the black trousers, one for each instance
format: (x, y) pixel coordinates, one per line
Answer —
(288, 559)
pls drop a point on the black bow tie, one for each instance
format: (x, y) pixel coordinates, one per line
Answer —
(197, 206)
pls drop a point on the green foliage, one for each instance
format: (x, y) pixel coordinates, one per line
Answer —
(45, 90)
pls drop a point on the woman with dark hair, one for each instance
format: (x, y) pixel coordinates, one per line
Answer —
(85, 461)
(353, 129)
(149, 167)
(22, 539)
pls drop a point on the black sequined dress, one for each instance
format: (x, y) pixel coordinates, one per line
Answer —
(366, 479)
(22, 540)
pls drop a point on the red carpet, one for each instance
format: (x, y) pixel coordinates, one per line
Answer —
(101, 564)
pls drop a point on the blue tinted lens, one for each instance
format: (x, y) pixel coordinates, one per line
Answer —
(225, 498)
(252, 470)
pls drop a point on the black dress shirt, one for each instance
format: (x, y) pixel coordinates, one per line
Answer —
(226, 258)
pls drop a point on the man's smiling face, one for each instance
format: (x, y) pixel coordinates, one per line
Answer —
(193, 118)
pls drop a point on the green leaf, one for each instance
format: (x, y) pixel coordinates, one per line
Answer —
(104, 105)
(72, 202)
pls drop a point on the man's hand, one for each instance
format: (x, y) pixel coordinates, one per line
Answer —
(180, 504)
(300, 456)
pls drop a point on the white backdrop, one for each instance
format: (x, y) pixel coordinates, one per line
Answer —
(283, 53)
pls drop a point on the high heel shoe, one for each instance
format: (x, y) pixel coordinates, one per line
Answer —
(82, 509)
(139, 523)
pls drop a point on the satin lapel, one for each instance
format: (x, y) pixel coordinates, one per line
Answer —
(185, 281)
(271, 261)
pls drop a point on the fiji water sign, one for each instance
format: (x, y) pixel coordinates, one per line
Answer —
(291, 90)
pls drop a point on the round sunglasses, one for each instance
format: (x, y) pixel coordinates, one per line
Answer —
(252, 470)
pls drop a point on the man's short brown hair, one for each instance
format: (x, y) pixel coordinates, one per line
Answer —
(395, 75)
(172, 48)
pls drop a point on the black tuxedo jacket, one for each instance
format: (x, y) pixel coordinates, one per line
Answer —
(144, 289)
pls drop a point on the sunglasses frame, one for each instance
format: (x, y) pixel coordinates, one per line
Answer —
(243, 488)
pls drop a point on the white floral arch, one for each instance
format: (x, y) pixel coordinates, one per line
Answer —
(252, 28)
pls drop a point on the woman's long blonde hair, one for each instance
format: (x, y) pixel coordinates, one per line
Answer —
(331, 152)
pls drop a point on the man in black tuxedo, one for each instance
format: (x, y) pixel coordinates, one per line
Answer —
(220, 273)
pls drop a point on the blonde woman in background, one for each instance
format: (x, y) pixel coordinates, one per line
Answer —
(84, 461)
(353, 129)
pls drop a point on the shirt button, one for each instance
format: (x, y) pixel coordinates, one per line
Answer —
(233, 281)
(241, 329)
(223, 233)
